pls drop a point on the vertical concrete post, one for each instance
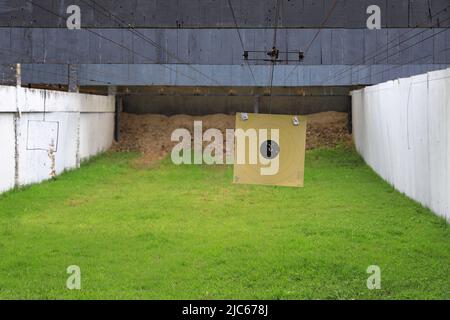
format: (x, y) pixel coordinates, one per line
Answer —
(72, 74)
(18, 75)
(78, 152)
(256, 103)
(16, 149)
(349, 116)
(17, 117)
(118, 111)
(112, 90)
(73, 78)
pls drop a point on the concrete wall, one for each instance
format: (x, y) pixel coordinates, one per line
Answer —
(196, 43)
(216, 13)
(35, 137)
(117, 57)
(7, 151)
(44, 133)
(201, 34)
(96, 132)
(226, 75)
(402, 130)
(222, 46)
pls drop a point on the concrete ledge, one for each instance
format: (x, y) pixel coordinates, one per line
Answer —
(37, 100)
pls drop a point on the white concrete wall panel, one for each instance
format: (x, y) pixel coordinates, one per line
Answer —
(7, 151)
(439, 139)
(100, 126)
(402, 130)
(36, 164)
(54, 131)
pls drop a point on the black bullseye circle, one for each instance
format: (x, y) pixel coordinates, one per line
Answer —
(270, 149)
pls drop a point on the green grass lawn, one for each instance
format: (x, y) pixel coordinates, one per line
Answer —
(187, 232)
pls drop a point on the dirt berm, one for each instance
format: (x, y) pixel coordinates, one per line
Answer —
(150, 134)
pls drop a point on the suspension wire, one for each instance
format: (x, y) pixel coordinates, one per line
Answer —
(90, 72)
(322, 25)
(408, 47)
(273, 60)
(277, 16)
(132, 29)
(24, 67)
(112, 41)
(397, 66)
(403, 64)
(380, 51)
(240, 39)
(29, 67)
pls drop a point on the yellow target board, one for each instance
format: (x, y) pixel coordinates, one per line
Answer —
(270, 149)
